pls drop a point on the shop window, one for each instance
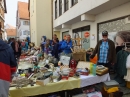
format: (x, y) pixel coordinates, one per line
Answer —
(64, 34)
(80, 38)
(74, 2)
(56, 9)
(66, 5)
(117, 29)
(60, 7)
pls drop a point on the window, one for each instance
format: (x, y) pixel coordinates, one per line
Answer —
(60, 7)
(64, 34)
(66, 5)
(74, 2)
(25, 22)
(56, 9)
(25, 32)
(20, 33)
(28, 32)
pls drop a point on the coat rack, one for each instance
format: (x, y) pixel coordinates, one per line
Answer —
(127, 46)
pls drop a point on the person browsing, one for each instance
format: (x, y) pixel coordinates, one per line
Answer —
(67, 45)
(105, 50)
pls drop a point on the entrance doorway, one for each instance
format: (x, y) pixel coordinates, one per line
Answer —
(79, 33)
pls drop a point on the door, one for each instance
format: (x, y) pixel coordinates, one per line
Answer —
(86, 39)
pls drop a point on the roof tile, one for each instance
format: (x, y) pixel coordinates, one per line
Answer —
(23, 10)
(11, 32)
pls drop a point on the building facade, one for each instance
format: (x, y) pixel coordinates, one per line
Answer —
(11, 31)
(2, 19)
(86, 19)
(40, 20)
(22, 21)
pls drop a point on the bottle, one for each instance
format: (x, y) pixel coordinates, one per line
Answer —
(94, 69)
(91, 68)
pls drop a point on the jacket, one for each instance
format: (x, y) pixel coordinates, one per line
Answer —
(111, 57)
(55, 50)
(59, 48)
(7, 61)
(128, 62)
(66, 46)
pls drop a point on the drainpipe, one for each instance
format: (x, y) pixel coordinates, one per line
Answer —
(52, 16)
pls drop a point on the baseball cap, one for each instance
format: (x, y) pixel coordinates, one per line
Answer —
(104, 33)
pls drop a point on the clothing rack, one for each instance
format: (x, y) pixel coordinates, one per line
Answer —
(127, 46)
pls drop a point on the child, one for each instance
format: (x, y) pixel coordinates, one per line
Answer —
(46, 48)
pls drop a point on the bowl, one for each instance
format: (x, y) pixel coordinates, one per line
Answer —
(100, 67)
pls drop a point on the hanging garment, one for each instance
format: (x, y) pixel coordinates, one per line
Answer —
(128, 62)
(119, 48)
(120, 67)
(121, 62)
(127, 77)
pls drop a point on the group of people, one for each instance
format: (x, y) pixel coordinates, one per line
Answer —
(105, 50)
(56, 47)
(18, 46)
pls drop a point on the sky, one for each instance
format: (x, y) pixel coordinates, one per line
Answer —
(10, 16)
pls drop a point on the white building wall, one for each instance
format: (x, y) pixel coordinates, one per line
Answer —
(23, 28)
(120, 11)
(33, 27)
(26, 27)
(40, 20)
(80, 8)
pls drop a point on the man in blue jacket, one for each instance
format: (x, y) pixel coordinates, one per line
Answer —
(7, 67)
(67, 45)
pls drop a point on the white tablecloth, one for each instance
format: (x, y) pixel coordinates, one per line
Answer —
(90, 80)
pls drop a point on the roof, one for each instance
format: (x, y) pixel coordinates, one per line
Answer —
(9, 27)
(11, 32)
(23, 10)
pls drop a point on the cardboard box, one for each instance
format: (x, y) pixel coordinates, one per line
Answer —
(81, 56)
(43, 82)
(83, 64)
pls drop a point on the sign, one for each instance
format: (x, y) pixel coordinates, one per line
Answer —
(86, 34)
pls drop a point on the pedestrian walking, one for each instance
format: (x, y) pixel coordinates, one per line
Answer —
(7, 67)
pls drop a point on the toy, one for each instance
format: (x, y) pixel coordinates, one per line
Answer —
(36, 67)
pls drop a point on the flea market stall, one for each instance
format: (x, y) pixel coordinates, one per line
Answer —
(40, 73)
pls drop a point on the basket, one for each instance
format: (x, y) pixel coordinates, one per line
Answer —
(128, 84)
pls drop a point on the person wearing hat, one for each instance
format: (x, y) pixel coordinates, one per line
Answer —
(105, 50)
